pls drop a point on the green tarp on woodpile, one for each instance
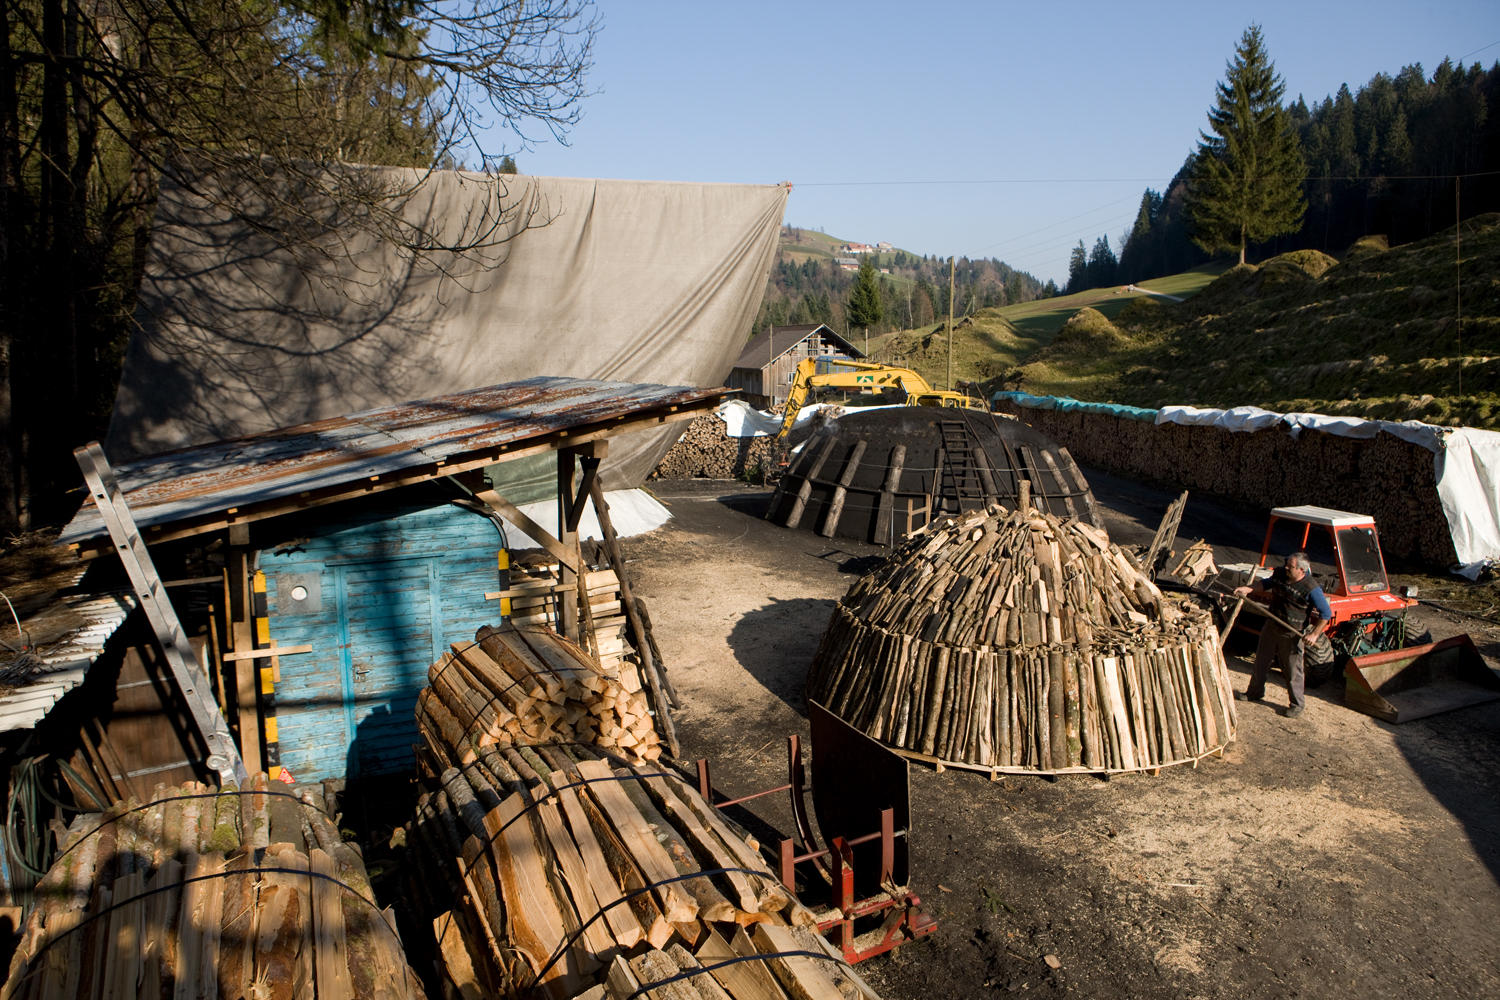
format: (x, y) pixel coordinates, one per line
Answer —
(630, 281)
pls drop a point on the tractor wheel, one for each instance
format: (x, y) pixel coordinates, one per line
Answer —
(1316, 674)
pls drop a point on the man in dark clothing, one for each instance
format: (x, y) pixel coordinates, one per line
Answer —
(1295, 598)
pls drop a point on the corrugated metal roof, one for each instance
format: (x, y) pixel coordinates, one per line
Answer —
(443, 432)
(68, 635)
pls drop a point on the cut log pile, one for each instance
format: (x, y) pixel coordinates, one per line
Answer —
(202, 894)
(527, 686)
(579, 875)
(706, 451)
(1386, 476)
(1013, 641)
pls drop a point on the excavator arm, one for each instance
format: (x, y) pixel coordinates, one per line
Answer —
(842, 373)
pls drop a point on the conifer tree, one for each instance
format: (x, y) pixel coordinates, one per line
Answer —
(1078, 264)
(1248, 171)
(864, 309)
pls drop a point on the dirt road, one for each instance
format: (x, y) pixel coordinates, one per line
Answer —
(1332, 856)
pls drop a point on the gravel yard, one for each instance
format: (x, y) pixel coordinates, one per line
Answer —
(1330, 856)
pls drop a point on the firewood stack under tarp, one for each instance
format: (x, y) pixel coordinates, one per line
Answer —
(526, 686)
(561, 872)
(210, 894)
(1012, 641)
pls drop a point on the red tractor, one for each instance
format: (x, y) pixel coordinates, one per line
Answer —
(1344, 549)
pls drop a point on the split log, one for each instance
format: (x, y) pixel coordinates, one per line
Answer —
(183, 897)
(1012, 640)
(615, 877)
(524, 686)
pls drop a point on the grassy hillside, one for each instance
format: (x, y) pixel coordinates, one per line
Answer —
(995, 342)
(1406, 332)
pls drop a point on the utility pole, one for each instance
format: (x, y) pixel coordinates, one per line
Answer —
(952, 267)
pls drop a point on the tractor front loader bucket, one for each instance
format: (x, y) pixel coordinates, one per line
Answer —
(1412, 683)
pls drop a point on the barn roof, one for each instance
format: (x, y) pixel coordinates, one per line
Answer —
(776, 341)
(207, 487)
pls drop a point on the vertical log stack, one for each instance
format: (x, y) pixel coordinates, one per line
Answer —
(203, 894)
(1011, 641)
(527, 686)
(560, 872)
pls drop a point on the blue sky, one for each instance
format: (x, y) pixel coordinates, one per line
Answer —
(1001, 129)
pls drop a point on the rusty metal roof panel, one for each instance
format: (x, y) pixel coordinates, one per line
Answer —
(310, 458)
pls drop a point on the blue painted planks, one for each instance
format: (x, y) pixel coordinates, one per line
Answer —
(387, 589)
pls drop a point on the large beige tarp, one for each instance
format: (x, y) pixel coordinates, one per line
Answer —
(304, 314)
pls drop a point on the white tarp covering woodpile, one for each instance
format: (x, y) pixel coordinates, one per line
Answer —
(1012, 641)
(205, 894)
(563, 872)
(459, 280)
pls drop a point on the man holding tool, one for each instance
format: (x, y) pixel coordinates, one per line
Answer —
(1300, 614)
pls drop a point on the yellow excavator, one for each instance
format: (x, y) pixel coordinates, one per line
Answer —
(842, 373)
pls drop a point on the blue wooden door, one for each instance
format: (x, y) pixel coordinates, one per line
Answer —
(379, 598)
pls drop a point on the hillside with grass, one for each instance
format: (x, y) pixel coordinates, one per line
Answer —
(1396, 333)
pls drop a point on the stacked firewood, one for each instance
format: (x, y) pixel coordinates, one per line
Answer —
(529, 685)
(1385, 475)
(705, 451)
(536, 602)
(1012, 641)
(206, 894)
(559, 872)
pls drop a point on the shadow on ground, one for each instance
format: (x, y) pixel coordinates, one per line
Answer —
(776, 644)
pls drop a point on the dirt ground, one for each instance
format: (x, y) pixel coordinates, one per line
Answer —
(1330, 856)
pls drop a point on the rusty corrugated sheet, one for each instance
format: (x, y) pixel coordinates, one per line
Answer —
(314, 458)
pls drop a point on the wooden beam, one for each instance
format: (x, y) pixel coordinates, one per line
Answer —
(242, 636)
(651, 670)
(543, 537)
(568, 525)
(270, 651)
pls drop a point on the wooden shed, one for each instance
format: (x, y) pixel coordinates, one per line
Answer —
(354, 550)
(764, 370)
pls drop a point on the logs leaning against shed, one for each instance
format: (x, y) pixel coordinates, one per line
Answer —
(561, 872)
(210, 894)
(1012, 641)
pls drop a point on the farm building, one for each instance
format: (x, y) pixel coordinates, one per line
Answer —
(765, 368)
(318, 534)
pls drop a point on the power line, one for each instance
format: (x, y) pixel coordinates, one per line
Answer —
(1477, 51)
(937, 182)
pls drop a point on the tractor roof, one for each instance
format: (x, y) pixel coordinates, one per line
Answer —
(1322, 515)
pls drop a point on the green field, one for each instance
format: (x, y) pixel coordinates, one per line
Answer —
(994, 342)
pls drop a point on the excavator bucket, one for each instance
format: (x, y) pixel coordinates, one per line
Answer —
(1418, 681)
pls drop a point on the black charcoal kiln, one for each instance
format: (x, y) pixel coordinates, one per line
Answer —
(880, 475)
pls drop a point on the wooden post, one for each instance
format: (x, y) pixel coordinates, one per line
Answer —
(568, 600)
(243, 640)
(649, 667)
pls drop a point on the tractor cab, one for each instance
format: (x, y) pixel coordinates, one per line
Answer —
(1344, 550)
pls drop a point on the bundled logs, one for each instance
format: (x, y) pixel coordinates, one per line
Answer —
(536, 603)
(525, 686)
(1013, 641)
(559, 872)
(205, 894)
(613, 622)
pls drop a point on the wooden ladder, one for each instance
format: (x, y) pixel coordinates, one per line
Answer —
(223, 755)
(960, 483)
